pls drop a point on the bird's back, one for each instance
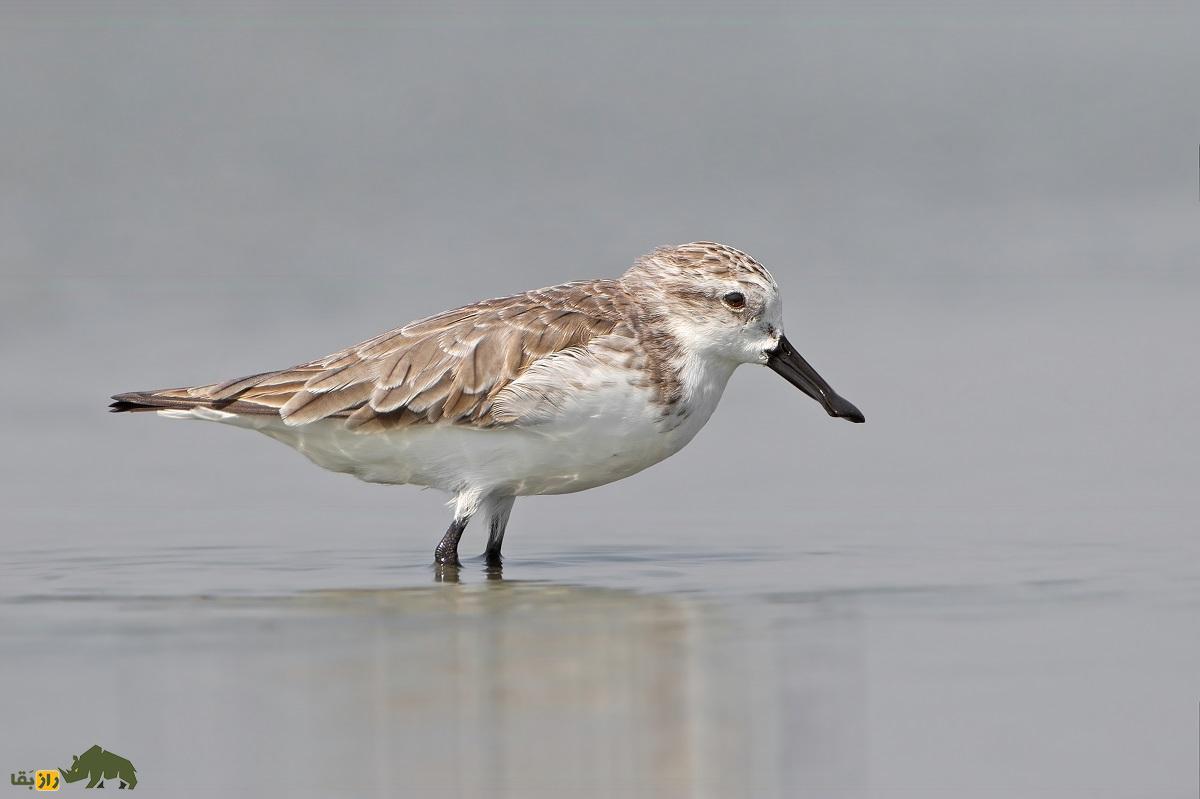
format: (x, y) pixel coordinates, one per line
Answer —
(449, 368)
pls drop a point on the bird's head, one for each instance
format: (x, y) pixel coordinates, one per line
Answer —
(719, 302)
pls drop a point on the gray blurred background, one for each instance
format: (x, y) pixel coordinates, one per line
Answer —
(985, 221)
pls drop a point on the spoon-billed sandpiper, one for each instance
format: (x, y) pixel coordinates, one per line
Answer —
(547, 392)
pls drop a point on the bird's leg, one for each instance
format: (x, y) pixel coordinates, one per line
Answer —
(447, 549)
(499, 508)
(466, 502)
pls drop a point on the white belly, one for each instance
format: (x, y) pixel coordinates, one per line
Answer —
(601, 435)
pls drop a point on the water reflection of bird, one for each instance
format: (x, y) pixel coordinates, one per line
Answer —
(547, 392)
(514, 688)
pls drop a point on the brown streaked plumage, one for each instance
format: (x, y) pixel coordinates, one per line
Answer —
(449, 367)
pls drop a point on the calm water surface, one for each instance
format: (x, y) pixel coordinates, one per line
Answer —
(901, 660)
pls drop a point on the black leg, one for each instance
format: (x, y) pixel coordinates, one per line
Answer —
(447, 549)
(498, 522)
(492, 554)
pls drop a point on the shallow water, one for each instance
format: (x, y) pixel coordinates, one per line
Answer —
(891, 662)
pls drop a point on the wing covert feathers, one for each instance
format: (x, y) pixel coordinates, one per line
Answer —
(445, 368)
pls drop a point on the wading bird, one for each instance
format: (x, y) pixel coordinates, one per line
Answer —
(546, 392)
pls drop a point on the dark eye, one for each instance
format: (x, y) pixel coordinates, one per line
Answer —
(735, 300)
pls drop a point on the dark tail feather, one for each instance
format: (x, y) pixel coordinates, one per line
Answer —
(139, 401)
(135, 401)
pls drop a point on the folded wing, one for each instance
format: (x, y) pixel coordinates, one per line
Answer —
(447, 368)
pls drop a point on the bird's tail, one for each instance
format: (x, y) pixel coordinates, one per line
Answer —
(164, 399)
(217, 397)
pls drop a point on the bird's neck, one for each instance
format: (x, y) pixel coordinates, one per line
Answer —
(703, 379)
(688, 379)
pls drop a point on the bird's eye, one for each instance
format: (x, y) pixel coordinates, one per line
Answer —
(735, 300)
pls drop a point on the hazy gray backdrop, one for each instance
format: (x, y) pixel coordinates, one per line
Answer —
(985, 222)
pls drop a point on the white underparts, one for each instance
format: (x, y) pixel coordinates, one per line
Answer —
(606, 425)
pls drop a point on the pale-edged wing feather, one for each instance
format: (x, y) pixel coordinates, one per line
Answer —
(446, 368)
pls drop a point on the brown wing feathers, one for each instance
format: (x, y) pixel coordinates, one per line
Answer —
(447, 367)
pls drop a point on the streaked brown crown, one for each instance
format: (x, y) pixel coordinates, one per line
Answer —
(699, 258)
